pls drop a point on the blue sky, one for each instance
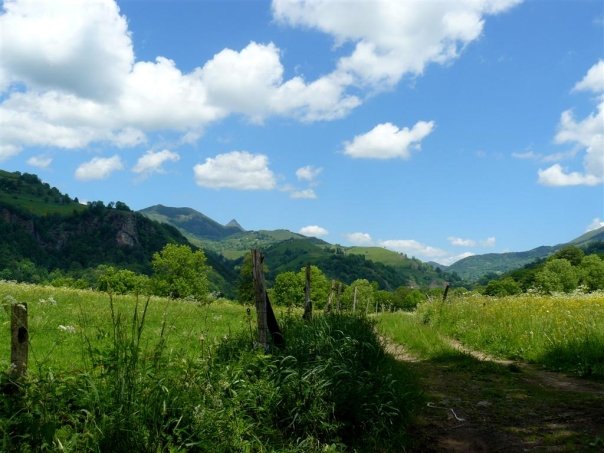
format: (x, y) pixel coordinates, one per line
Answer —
(437, 129)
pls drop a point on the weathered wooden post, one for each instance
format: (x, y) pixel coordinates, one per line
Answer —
(446, 291)
(354, 299)
(19, 339)
(330, 298)
(307, 302)
(260, 298)
(339, 296)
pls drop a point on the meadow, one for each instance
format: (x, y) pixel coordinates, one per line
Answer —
(137, 374)
(560, 332)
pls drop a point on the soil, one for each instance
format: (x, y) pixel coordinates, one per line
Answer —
(475, 403)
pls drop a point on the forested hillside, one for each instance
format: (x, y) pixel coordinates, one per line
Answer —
(43, 231)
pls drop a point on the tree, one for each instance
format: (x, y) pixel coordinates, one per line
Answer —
(319, 286)
(289, 290)
(180, 272)
(364, 296)
(504, 287)
(245, 289)
(592, 272)
(557, 275)
(571, 253)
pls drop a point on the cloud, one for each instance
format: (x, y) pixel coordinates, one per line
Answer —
(80, 83)
(448, 260)
(78, 47)
(152, 162)
(7, 151)
(306, 194)
(239, 170)
(99, 168)
(556, 176)
(586, 134)
(489, 242)
(459, 242)
(391, 38)
(308, 173)
(313, 231)
(359, 239)
(595, 224)
(413, 248)
(39, 161)
(593, 80)
(387, 141)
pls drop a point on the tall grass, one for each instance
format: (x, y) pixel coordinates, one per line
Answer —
(562, 332)
(330, 388)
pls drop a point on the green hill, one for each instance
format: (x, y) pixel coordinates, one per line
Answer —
(351, 264)
(474, 267)
(44, 229)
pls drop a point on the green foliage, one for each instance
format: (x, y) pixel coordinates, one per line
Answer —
(122, 281)
(503, 287)
(592, 272)
(558, 274)
(407, 298)
(571, 253)
(365, 300)
(179, 272)
(330, 389)
(288, 290)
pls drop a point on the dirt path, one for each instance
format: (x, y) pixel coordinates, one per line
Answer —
(474, 403)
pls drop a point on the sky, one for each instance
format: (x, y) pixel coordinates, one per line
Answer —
(439, 129)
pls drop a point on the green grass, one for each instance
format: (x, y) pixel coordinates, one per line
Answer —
(559, 332)
(160, 375)
(86, 317)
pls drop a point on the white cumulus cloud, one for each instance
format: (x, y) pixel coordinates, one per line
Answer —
(99, 168)
(39, 161)
(359, 238)
(413, 248)
(459, 242)
(239, 170)
(387, 141)
(306, 194)
(586, 134)
(313, 231)
(595, 224)
(392, 38)
(152, 162)
(7, 151)
(308, 173)
(593, 80)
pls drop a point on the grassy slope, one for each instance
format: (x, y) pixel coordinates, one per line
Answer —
(33, 198)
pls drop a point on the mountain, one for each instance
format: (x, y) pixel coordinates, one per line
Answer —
(349, 264)
(474, 267)
(287, 251)
(193, 222)
(230, 240)
(41, 226)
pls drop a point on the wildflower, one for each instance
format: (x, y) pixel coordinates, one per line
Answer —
(67, 329)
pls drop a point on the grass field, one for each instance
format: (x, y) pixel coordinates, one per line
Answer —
(113, 374)
(559, 332)
(63, 322)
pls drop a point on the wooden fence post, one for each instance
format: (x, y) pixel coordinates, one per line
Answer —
(331, 296)
(339, 296)
(354, 299)
(19, 339)
(260, 298)
(307, 302)
(446, 291)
